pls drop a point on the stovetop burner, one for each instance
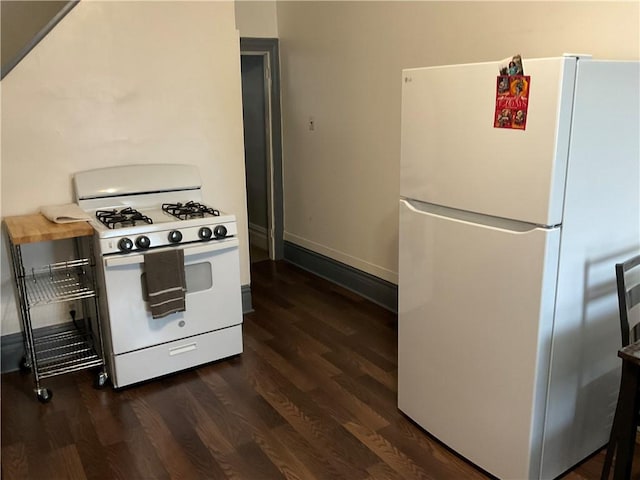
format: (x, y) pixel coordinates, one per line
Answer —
(189, 210)
(127, 217)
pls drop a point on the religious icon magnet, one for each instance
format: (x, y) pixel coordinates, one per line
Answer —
(512, 101)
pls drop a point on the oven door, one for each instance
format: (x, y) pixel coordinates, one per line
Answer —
(213, 297)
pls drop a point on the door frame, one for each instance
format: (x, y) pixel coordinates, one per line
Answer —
(268, 49)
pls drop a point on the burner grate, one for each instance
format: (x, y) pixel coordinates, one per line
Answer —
(186, 211)
(127, 217)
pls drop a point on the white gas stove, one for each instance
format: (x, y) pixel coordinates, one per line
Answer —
(127, 229)
(154, 210)
(138, 213)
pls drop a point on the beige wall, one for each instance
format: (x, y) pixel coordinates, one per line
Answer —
(119, 83)
(341, 64)
(159, 82)
(256, 19)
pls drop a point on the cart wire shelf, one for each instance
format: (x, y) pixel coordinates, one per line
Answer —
(66, 351)
(58, 282)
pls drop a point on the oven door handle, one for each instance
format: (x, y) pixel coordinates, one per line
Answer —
(128, 259)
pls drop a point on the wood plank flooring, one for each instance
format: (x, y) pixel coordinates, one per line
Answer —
(313, 396)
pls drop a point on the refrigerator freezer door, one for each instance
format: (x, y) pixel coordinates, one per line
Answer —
(475, 319)
(453, 156)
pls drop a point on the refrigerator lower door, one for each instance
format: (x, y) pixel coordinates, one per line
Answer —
(476, 300)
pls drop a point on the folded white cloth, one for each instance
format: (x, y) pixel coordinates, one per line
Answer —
(67, 213)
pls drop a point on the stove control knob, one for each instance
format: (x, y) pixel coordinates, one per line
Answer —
(175, 236)
(125, 245)
(205, 233)
(143, 242)
(220, 231)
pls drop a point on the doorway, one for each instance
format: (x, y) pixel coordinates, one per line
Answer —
(263, 147)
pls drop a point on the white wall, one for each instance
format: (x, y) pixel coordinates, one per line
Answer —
(341, 64)
(119, 83)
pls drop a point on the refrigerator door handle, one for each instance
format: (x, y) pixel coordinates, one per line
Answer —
(487, 221)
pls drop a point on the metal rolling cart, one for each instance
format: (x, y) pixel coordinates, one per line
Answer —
(75, 345)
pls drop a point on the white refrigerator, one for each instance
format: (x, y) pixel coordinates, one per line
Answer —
(508, 324)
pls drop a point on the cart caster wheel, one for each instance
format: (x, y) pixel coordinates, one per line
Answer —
(44, 395)
(101, 380)
(25, 366)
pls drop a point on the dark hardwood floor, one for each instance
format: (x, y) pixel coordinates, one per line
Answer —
(313, 396)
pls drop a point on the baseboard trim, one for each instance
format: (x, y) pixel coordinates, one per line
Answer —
(11, 345)
(377, 290)
(11, 350)
(258, 237)
(247, 306)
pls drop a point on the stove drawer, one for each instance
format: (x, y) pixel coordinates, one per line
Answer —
(171, 357)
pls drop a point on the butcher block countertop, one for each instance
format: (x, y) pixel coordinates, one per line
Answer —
(37, 228)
